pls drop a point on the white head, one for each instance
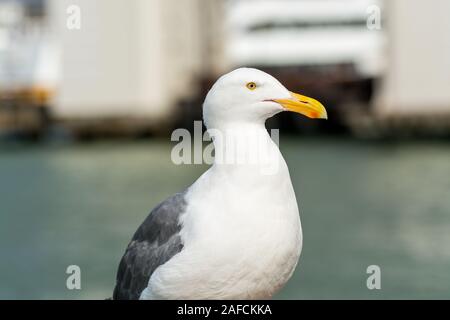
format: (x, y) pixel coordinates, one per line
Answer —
(251, 95)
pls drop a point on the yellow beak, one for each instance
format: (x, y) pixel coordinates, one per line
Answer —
(307, 106)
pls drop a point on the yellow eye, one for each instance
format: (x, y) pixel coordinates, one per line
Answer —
(251, 86)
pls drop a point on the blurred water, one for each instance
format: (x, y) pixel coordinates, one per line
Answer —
(361, 204)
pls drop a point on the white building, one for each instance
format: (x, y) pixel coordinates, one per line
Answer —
(417, 78)
(134, 60)
(131, 59)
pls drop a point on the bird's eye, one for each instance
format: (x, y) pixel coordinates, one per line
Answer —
(251, 86)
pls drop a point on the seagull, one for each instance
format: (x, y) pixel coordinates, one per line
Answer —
(235, 233)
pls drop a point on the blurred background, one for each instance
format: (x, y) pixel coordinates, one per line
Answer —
(86, 116)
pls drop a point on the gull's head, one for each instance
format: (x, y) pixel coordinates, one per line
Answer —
(251, 95)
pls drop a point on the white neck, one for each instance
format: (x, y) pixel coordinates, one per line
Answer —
(245, 145)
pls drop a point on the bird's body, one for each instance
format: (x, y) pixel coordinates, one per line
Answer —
(233, 234)
(244, 249)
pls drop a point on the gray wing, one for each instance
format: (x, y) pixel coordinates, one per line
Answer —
(154, 243)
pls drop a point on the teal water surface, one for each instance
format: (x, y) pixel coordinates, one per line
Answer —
(361, 204)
